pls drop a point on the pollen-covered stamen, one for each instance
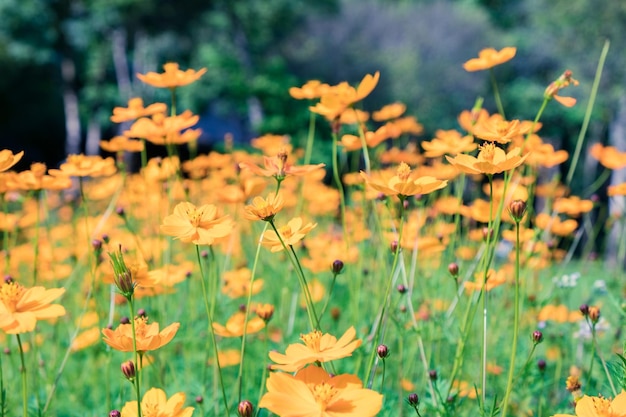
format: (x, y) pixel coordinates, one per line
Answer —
(487, 152)
(323, 394)
(312, 340)
(602, 407)
(403, 171)
(10, 294)
(140, 326)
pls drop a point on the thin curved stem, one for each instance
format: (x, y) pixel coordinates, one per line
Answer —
(24, 381)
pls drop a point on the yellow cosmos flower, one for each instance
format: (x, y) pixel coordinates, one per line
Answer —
(85, 166)
(496, 129)
(599, 407)
(340, 97)
(405, 183)
(388, 112)
(490, 160)
(21, 307)
(8, 159)
(136, 110)
(317, 347)
(277, 166)
(234, 326)
(264, 209)
(155, 404)
(199, 225)
(310, 90)
(172, 76)
(293, 232)
(148, 336)
(121, 144)
(448, 142)
(312, 392)
(489, 58)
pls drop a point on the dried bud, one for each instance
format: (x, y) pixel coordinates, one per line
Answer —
(413, 400)
(128, 369)
(537, 337)
(517, 209)
(382, 351)
(594, 314)
(337, 267)
(245, 409)
(453, 269)
(335, 313)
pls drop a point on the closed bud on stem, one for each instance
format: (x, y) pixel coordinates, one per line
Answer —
(115, 413)
(413, 399)
(337, 267)
(401, 289)
(123, 276)
(594, 314)
(487, 234)
(128, 369)
(453, 269)
(382, 351)
(517, 209)
(537, 337)
(541, 365)
(584, 309)
(432, 374)
(245, 409)
(265, 312)
(394, 246)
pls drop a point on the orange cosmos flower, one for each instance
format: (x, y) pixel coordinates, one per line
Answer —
(199, 225)
(237, 283)
(136, 110)
(340, 97)
(619, 189)
(490, 160)
(489, 58)
(404, 183)
(608, 156)
(599, 407)
(496, 129)
(493, 280)
(155, 403)
(8, 159)
(162, 130)
(264, 209)
(573, 206)
(234, 325)
(317, 347)
(35, 178)
(148, 335)
(310, 90)
(556, 226)
(21, 307)
(85, 166)
(312, 392)
(388, 112)
(469, 118)
(172, 77)
(271, 144)
(293, 232)
(559, 314)
(277, 166)
(121, 144)
(560, 83)
(448, 142)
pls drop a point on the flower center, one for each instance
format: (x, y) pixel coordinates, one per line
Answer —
(487, 152)
(195, 216)
(10, 294)
(602, 407)
(312, 340)
(140, 326)
(149, 410)
(403, 171)
(323, 393)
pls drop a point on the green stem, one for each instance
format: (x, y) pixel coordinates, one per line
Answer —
(385, 301)
(337, 178)
(211, 330)
(24, 382)
(330, 293)
(245, 322)
(594, 340)
(509, 384)
(496, 93)
(136, 380)
(585, 125)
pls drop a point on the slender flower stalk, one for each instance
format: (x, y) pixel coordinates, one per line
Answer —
(211, 330)
(496, 93)
(24, 381)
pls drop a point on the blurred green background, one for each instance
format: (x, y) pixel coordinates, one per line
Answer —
(67, 63)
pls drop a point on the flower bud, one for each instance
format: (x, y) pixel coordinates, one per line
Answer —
(120, 211)
(453, 269)
(487, 234)
(413, 399)
(245, 409)
(337, 267)
(537, 337)
(432, 374)
(394, 246)
(142, 312)
(382, 351)
(594, 314)
(401, 289)
(541, 365)
(335, 313)
(122, 275)
(128, 369)
(124, 320)
(584, 309)
(265, 312)
(517, 209)
(199, 399)
(96, 244)
(115, 413)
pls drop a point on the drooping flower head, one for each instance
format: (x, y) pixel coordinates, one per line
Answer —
(312, 392)
(317, 347)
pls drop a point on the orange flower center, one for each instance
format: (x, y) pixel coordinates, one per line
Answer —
(602, 407)
(150, 410)
(285, 232)
(403, 171)
(312, 340)
(10, 294)
(141, 324)
(487, 151)
(323, 393)
(195, 216)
